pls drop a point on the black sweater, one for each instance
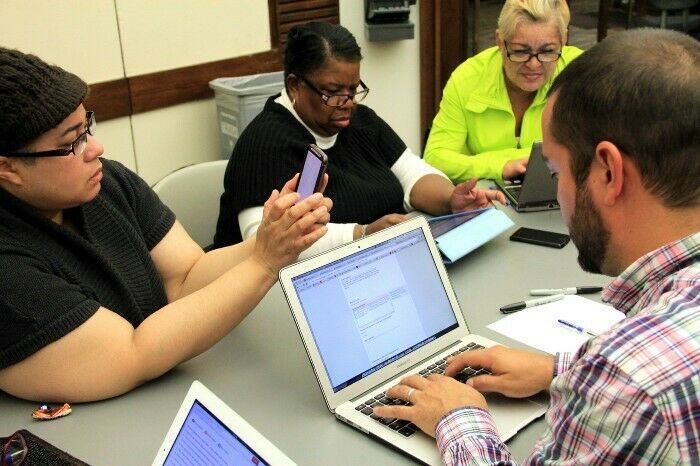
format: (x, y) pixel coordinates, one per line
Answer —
(52, 280)
(272, 149)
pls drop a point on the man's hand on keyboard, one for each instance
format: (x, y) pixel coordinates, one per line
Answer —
(514, 373)
(431, 398)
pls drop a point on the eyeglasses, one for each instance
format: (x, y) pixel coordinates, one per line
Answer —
(338, 100)
(14, 451)
(524, 57)
(77, 147)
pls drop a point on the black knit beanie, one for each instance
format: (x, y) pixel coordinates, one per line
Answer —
(34, 98)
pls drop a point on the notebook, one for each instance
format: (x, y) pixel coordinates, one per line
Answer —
(377, 309)
(538, 189)
(206, 431)
(459, 234)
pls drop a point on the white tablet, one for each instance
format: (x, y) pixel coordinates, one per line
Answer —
(207, 431)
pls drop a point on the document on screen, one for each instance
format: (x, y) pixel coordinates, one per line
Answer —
(383, 310)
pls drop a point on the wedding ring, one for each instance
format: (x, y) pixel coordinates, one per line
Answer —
(410, 392)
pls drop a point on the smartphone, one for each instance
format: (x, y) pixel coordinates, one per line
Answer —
(312, 172)
(540, 237)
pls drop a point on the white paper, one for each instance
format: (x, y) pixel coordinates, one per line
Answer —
(538, 327)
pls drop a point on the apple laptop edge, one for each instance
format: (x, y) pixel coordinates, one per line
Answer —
(375, 310)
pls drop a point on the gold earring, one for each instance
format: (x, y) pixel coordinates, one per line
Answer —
(294, 101)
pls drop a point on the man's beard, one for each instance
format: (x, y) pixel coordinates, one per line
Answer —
(588, 232)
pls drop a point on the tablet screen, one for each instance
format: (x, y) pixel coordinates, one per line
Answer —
(441, 225)
(204, 439)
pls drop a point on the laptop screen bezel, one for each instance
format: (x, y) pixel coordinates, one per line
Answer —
(287, 274)
(541, 188)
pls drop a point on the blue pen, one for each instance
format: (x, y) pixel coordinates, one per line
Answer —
(575, 327)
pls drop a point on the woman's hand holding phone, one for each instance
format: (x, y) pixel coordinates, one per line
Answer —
(290, 225)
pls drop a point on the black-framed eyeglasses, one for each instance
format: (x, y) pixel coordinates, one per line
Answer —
(14, 450)
(524, 57)
(338, 100)
(77, 147)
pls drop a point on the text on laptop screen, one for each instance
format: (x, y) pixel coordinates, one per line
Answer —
(204, 439)
(370, 308)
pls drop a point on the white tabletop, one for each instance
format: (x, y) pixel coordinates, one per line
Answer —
(261, 370)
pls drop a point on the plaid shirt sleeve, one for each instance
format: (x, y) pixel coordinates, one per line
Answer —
(562, 362)
(597, 414)
(469, 436)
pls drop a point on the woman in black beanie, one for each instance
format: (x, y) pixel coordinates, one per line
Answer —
(101, 289)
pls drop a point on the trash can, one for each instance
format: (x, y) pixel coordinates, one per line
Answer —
(239, 100)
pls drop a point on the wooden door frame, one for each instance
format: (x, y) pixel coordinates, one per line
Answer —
(444, 44)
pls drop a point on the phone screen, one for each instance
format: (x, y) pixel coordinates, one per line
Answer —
(309, 175)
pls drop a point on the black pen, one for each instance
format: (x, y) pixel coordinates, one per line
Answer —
(572, 290)
(520, 305)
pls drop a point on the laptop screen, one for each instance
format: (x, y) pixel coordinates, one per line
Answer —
(204, 439)
(370, 308)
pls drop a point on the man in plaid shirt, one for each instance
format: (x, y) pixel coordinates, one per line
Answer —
(622, 134)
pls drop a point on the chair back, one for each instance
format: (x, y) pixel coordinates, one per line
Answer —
(672, 4)
(683, 21)
(193, 193)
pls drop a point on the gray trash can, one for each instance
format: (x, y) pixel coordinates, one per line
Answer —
(239, 100)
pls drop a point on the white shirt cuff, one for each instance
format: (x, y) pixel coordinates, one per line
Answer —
(338, 233)
(409, 168)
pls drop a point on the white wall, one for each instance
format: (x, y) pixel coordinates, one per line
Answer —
(158, 35)
(392, 72)
(81, 36)
(105, 40)
(173, 137)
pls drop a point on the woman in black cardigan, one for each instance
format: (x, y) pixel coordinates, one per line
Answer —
(374, 178)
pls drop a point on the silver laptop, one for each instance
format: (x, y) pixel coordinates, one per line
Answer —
(377, 309)
(537, 190)
(206, 431)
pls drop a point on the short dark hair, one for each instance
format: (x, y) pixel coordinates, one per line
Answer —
(639, 89)
(311, 45)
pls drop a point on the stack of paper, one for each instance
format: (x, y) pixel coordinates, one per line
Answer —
(540, 328)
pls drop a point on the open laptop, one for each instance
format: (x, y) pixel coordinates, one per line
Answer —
(375, 310)
(538, 189)
(206, 431)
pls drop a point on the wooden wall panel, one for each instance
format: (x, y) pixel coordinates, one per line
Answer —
(111, 99)
(443, 46)
(285, 14)
(172, 87)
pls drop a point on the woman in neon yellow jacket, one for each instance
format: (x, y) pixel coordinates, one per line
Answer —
(491, 106)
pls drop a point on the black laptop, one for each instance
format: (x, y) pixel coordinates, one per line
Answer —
(537, 190)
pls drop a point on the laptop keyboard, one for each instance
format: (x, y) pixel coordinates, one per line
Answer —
(514, 190)
(407, 428)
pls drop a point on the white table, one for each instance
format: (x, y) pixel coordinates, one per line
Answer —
(261, 370)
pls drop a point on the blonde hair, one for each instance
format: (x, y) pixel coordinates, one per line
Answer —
(515, 12)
